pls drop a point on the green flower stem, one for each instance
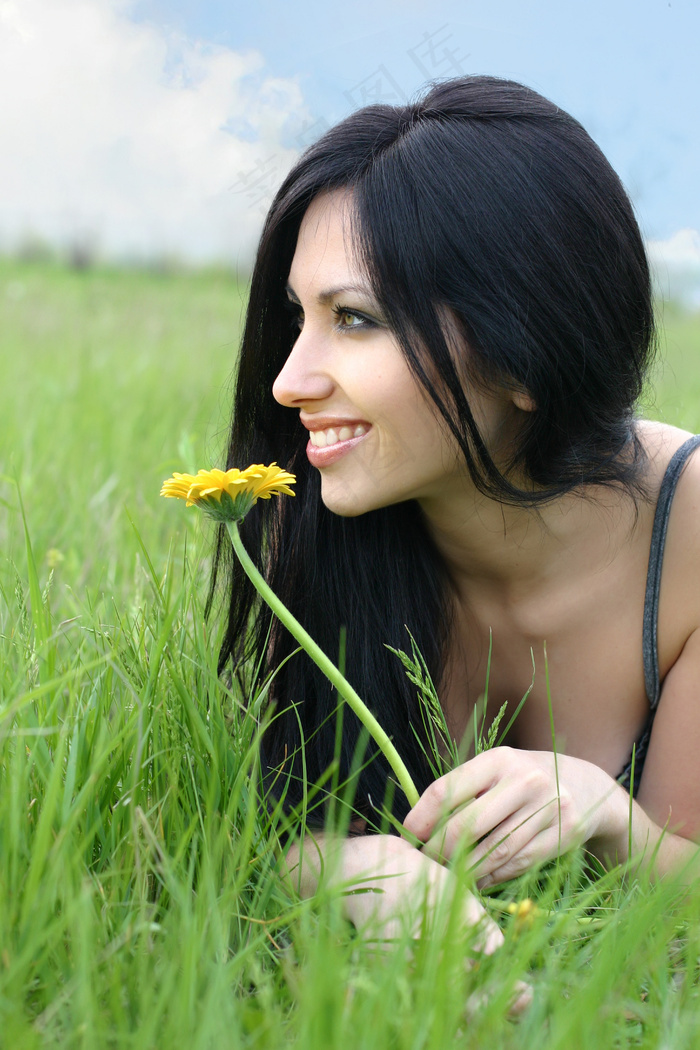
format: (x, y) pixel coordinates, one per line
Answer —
(327, 666)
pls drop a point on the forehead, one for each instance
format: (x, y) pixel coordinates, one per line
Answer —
(324, 249)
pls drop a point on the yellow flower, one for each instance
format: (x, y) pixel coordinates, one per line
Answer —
(228, 495)
(524, 913)
(54, 557)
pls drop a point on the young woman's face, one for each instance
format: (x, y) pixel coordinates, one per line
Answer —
(374, 435)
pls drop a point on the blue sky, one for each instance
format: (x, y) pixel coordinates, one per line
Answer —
(164, 126)
(630, 71)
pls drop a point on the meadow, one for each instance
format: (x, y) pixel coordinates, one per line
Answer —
(140, 899)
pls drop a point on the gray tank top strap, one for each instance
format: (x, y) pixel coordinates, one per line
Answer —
(656, 559)
(650, 650)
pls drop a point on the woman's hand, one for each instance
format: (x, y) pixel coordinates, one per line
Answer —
(389, 888)
(407, 888)
(395, 886)
(505, 804)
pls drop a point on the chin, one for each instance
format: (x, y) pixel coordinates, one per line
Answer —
(347, 504)
(345, 510)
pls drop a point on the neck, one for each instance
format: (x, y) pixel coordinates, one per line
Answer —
(515, 550)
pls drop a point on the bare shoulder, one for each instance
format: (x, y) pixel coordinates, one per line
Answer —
(660, 440)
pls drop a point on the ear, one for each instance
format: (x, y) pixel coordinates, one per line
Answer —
(522, 400)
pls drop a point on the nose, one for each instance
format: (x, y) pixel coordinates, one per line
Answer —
(304, 377)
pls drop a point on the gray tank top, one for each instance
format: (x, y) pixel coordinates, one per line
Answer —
(651, 607)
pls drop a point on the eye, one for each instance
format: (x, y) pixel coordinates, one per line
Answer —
(346, 319)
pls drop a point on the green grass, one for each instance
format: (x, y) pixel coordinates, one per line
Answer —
(677, 380)
(139, 901)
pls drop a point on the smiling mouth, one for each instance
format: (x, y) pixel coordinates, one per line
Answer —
(333, 435)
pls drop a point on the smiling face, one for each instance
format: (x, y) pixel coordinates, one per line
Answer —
(374, 435)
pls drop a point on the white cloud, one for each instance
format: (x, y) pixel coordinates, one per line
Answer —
(676, 263)
(118, 131)
(681, 250)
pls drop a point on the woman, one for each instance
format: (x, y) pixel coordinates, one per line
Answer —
(449, 326)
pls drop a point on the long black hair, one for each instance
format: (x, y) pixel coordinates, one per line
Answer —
(485, 199)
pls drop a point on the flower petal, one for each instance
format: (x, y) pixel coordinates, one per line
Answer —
(243, 487)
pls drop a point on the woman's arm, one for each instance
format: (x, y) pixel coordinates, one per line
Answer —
(666, 815)
(654, 848)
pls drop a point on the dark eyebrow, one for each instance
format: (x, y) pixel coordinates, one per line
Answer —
(327, 296)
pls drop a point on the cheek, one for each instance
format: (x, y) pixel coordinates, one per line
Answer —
(419, 423)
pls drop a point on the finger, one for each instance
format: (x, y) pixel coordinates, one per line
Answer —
(453, 790)
(488, 940)
(539, 850)
(500, 808)
(488, 935)
(521, 999)
(508, 839)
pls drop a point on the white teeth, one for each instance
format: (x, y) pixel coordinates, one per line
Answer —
(331, 436)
